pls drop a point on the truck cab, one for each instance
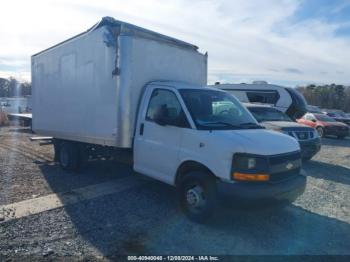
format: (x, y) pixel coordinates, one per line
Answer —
(207, 144)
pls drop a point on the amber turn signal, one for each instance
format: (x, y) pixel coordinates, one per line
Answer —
(250, 177)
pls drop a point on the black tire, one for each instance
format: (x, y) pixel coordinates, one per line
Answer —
(320, 131)
(69, 156)
(341, 137)
(198, 196)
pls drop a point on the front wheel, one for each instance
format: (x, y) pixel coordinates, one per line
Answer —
(320, 131)
(198, 196)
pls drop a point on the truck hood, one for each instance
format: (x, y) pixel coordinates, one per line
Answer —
(257, 141)
(282, 124)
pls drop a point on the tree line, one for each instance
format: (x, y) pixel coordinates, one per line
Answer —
(12, 87)
(327, 96)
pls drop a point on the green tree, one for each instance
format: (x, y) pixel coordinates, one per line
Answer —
(4, 87)
(327, 96)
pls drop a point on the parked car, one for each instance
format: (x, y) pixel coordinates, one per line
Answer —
(339, 116)
(325, 125)
(274, 119)
(202, 141)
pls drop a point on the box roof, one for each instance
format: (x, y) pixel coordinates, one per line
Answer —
(128, 29)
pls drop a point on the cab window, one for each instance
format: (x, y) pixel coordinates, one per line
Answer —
(164, 104)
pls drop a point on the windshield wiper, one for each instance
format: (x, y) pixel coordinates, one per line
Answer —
(222, 123)
(240, 126)
(251, 125)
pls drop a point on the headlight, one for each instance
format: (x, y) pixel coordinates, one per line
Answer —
(252, 163)
(246, 167)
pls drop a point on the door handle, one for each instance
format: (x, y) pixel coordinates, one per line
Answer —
(142, 126)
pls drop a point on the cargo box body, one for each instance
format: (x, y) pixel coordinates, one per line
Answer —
(88, 88)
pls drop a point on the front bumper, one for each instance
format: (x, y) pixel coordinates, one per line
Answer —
(247, 192)
(310, 148)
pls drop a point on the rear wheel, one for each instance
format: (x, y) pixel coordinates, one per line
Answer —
(320, 131)
(69, 156)
(198, 196)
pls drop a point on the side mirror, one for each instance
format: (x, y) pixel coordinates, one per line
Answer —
(313, 120)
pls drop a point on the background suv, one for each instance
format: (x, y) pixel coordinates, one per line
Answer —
(339, 116)
(272, 118)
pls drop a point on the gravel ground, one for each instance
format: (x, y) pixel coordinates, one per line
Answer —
(145, 219)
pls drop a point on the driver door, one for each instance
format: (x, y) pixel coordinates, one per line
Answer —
(157, 145)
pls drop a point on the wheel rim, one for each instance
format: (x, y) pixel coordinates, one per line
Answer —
(320, 131)
(64, 158)
(195, 199)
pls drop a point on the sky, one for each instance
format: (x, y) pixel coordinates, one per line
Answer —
(287, 42)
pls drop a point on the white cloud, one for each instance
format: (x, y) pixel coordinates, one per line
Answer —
(246, 39)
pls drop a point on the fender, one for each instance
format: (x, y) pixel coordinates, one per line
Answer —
(191, 165)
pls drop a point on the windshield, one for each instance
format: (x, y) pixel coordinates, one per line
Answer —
(263, 114)
(211, 109)
(324, 118)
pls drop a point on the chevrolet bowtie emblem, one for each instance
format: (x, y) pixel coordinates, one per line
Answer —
(289, 166)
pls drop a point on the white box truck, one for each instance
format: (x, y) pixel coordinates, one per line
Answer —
(121, 87)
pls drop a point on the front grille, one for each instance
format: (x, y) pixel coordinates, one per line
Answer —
(284, 158)
(284, 166)
(278, 177)
(302, 135)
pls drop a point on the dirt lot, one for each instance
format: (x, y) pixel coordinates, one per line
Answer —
(89, 218)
